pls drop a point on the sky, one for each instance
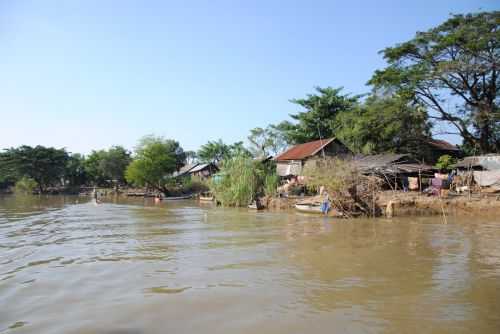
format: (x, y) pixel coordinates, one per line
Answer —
(90, 74)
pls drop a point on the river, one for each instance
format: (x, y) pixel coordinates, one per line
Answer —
(129, 266)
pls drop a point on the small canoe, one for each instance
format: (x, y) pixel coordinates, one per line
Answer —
(308, 207)
(316, 209)
(176, 198)
(207, 198)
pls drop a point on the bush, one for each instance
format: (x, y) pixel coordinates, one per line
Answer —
(445, 162)
(349, 190)
(241, 180)
(25, 185)
(271, 183)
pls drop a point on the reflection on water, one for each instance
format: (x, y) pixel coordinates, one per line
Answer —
(130, 266)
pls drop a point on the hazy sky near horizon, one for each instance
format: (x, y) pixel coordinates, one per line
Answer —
(91, 74)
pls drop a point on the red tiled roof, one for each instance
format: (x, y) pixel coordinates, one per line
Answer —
(302, 151)
(442, 145)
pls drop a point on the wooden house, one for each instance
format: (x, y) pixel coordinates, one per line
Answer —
(291, 162)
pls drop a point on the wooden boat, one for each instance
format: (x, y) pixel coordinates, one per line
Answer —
(308, 207)
(206, 197)
(176, 198)
(315, 208)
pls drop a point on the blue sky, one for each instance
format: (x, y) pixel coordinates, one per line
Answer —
(90, 74)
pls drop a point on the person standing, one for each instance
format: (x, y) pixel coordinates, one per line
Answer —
(325, 204)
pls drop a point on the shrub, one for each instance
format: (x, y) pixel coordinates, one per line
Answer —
(241, 180)
(445, 162)
(25, 185)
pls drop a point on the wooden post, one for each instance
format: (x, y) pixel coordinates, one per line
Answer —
(419, 182)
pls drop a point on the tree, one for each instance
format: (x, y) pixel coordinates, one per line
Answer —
(453, 63)
(265, 142)
(318, 121)
(214, 151)
(114, 162)
(45, 165)
(154, 162)
(75, 172)
(191, 157)
(93, 168)
(384, 124)
(238, 150)
(104, 166)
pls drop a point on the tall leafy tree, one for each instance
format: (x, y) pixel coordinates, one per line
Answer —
(385, 124)
(266, 141)
(93, 169)
(214, 151)
(114, 162)
(155, 160)
(191, 157)
(452, 69)
(318, 119)
(45, 165)
(75, 173)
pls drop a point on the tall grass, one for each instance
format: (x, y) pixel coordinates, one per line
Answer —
(241, 180)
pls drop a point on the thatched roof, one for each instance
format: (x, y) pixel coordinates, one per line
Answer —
(390, 163)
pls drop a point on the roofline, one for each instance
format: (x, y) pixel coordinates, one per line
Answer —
(327, 141)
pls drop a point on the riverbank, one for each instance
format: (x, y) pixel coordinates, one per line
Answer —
(399, 203)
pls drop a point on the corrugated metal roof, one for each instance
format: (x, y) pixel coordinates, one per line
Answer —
(302, 151)
(442, 145)
(489, 162)
(185, 169)
(201, 167)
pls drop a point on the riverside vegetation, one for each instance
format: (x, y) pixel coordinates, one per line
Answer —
(453, 63)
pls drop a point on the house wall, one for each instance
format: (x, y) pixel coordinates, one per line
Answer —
(334, 148)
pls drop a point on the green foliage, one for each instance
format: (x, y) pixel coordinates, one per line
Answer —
(240, 180)
(265, 142)
(92, 165)
(384, 124)
(271, 183)
(239, 183)
(319, 119)
(214, 151)
(217, 151)
(453, 63)
(191, 157)
(445, 162)
(45, 165)
(114, 163)
(25, 186)
(75, 173)
(155, 160)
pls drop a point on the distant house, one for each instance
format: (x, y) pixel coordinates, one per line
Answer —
(291, 162)
(437, 147)
(201, 170)
(204, 171)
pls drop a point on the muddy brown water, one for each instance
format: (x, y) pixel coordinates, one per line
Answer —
(130, 266)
